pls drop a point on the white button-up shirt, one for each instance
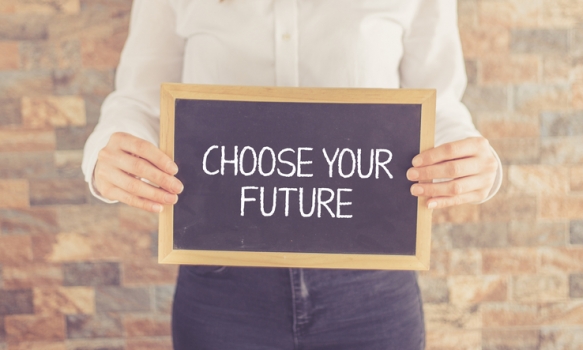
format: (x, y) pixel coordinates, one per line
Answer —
(312, 43)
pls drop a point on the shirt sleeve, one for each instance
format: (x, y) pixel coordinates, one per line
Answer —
(433, 58)
(153, 54)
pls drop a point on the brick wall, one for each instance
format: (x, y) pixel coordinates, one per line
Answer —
(77, 274)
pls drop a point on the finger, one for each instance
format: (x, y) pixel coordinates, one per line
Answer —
(148, 151)
(453, 150)
(118, 194)
(453, 187)
(448, 170)
(144, 169)
(138, 188)
(469, 197)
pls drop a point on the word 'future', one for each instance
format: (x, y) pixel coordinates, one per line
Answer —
(281, 165)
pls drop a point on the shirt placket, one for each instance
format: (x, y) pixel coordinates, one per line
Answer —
(286, 43)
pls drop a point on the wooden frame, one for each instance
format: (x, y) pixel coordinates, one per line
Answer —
(168, 255)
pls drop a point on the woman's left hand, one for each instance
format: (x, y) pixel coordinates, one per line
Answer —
(469, 163)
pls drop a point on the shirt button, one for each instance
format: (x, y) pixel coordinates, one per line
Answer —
(286, 36)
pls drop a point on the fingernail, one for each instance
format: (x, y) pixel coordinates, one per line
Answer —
(173, 168)
(417, 190)
(412, 174)
(417, 161)
(178, 187)
(170, 198)
(432, 205)
(157, 207)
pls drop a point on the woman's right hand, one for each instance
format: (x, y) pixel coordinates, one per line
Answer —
(123, 161)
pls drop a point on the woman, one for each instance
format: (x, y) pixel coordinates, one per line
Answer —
(316, 43)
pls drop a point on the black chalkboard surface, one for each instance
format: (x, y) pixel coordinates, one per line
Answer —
(295, 177)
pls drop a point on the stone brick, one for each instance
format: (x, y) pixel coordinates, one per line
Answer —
(561, 13)
(102, 53)
(472, 71)
(478, 42)
(14, 194)
(87, 25)
(434, 289)
(561, 260)
(73, 138)
(68, 163)
(539, 41)
(38, 345)
(439, 263)
(509, 261)
(26, 165)
(62, 247)
(538, 179)
(441, 236)
(562, 150)
(552, 338)
(468, 14)
(509, 315)
(459, 214)
(510, 13)
(83, 82)
(122, 299)
(58, 111)
(21, 140)
(133, 219)
(88, 219)
(28, 221)
(15, 249)
(561, 124)
(489, 99)
(533, 288)
(477, 289)
(577, 90)
(533, 98)
(10, 58)
(64, 300)
(93, 108)
(13, 302)
(103, 325)
(576, 174)
(452, 317)
(163, 298)
(41, 7)
(479, 235)
(148, 271)
(159, 343)
(2, 331)
(91, 274)
(23, 26)
(58, 191)
(576, 232)
(556, 69)
(510, 69)
(509, 128)
(63, 54)
(537, 233)
(465, 262)
(149, 325)
(32, 275)
(576, 286)
(561, 313)
(509, 207)
(566, 207)
(20, 328)
(515, 339)
(453, 340)
(10, 111)
(96, 344)
(15, 84)
(517, 150)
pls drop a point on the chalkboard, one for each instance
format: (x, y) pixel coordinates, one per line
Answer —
(295, 177)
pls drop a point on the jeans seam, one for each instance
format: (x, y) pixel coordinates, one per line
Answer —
(294, 310)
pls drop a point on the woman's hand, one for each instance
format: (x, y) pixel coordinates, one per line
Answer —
(127, 158)
(469, 163)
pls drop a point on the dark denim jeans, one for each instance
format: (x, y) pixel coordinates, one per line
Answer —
(274, 308)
